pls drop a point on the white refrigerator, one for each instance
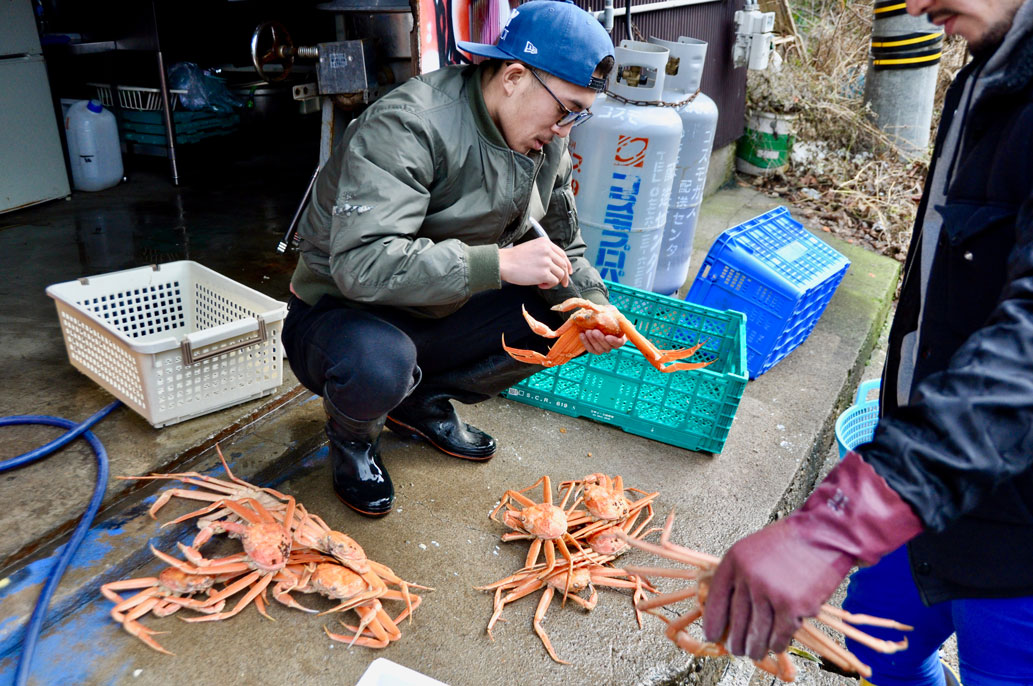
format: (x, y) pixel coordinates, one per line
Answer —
(32, 164)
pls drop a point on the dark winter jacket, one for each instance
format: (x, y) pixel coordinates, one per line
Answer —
(960, 451)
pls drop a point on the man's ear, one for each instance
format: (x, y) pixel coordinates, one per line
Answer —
(511, 75)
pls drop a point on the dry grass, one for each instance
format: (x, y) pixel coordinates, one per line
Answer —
(846, 174)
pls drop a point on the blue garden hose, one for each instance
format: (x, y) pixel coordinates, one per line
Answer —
(35, 625)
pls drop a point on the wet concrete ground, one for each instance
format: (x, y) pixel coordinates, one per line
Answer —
(439, 534)
(235, 200)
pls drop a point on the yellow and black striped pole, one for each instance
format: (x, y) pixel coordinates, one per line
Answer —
(903, 64)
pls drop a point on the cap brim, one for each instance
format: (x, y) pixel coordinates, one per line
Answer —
(484, 50)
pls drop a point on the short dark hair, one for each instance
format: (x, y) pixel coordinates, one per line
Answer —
(605, 66)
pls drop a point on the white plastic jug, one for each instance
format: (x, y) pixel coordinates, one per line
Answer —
(93, 148)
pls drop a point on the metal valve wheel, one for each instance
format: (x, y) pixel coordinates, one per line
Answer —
(272, 44)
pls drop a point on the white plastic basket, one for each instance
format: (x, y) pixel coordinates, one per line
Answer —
(172, 341)
(135, 98)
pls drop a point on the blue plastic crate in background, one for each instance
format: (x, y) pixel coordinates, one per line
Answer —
(690, 409)
(778, 274)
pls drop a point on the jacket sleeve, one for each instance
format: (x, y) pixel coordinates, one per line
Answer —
(969, 428)
(562, 225)
(382, 196)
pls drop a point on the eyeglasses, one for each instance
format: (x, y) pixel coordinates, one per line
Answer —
(570, 118)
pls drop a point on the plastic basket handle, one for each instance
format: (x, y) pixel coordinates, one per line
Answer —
(190, 357)
(864, 389)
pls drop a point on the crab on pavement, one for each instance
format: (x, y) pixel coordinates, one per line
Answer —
(584, 577)
(160, 595)
(609, 320)
(267, 546)
(310, 530)
(543, 523)
(312, 572)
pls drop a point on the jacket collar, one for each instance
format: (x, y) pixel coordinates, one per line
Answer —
(1010, 67)
(480, 111)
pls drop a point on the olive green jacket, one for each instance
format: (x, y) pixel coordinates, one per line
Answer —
(418, 196)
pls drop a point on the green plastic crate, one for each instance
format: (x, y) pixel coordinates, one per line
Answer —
(690, 409)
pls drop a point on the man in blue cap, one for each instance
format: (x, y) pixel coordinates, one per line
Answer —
(418, 252)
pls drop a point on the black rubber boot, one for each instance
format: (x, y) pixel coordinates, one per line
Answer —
(428, 412)
(359, 477)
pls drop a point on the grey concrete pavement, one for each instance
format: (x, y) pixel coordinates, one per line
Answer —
(440, 535)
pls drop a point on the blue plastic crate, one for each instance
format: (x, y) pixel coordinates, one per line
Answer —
(778, 274)
(689, 409)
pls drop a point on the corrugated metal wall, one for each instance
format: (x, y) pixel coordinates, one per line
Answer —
(710, 22)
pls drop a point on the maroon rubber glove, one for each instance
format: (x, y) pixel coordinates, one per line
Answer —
(769, 581)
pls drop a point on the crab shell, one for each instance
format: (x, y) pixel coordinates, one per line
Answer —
(607, 542)
(604, 503)
(335, 581)
(542, 520)
(177, 581)
(579, 581)
(347, 550)
(606, 321)
(267, 544)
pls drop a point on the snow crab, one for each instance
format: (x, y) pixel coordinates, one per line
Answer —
(543, 523)
(160, 595)
(700, 569)
(310, 530)
(361, 593)
(584, 577)
(316, 573)
(609, 320)
(605, 504)
(266, 543)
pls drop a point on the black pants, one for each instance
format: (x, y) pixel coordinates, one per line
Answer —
(365, 360)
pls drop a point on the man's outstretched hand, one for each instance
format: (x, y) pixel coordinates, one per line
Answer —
(764, 587)
(769, 581)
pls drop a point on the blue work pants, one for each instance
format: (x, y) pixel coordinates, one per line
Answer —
(995, 635)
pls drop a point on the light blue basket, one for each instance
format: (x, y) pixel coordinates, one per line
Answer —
(857, 423)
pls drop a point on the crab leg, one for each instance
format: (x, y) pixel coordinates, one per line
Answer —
(528, 588)
(879, 645)
(657, 357)
(263, 581)
(539, 615)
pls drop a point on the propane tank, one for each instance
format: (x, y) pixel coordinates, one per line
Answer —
(624, 159)
(699, 122)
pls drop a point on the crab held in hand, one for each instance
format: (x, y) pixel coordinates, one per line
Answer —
(605, 318)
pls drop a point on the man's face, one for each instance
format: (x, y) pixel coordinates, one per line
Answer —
(983, 23)
(528, 119)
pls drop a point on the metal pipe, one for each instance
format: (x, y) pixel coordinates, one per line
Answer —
(900, 84)
(166, 105)
(606, 17)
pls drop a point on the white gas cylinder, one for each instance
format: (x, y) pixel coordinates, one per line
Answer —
(624, 160)
(699, 124)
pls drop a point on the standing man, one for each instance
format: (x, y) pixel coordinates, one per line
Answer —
(950, 468)
(417, 251)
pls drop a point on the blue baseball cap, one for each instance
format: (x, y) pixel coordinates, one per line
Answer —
(555, 36)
